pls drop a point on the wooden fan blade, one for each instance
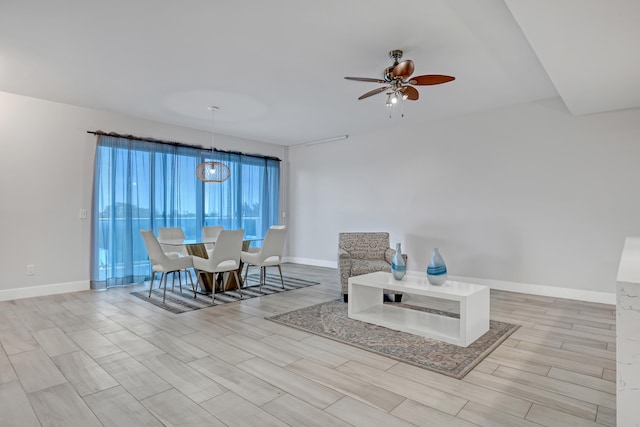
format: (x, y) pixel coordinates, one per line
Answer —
(365, 79)
(404, 69)
(430, 79)
(374, 92)
(411, 92)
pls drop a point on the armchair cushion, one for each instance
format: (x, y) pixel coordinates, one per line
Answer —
(365, 266)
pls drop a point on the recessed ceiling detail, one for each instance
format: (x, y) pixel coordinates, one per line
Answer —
(588, 48)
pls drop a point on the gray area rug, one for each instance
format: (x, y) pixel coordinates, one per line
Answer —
(177, 302)
(330, 320)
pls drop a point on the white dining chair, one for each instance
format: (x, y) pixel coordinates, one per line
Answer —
(172, 233)
(210, 232)
(269, 255)
(173, 251)
(161, 263)
(225, 257)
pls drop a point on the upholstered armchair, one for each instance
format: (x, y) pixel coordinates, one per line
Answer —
(362, 253)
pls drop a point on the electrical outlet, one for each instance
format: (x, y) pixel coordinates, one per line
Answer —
(31, 270)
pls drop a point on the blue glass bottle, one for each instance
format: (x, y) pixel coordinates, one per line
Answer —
(398, 266)
(436, 270)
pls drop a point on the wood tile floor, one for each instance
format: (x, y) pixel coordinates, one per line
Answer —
(108, 358)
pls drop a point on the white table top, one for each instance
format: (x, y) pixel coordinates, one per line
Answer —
(180, 242)
(414, 284)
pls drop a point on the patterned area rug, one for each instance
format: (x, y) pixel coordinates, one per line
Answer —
(177, 302)
(330, 320)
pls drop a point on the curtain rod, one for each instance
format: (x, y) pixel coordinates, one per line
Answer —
(176, 144)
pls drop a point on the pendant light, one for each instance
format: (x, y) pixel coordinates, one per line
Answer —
(212, 171)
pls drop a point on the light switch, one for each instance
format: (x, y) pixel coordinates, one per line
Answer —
(83, 213)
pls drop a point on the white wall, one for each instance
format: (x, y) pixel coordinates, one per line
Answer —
(528, 194)
(46, 177)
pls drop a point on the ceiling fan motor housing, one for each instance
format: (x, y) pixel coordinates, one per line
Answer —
(395, 55)
(388, 72)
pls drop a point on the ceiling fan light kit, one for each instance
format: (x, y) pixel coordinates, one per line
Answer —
(399, 83)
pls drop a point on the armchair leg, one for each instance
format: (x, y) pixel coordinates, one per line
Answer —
(345, 297)
(153, 274)
(198, 279)
(262, 278)
(192, 285)
(235, 274)
(246, 273)
(164, 294)
(281, 279)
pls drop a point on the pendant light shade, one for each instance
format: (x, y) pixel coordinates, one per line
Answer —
(212, 171)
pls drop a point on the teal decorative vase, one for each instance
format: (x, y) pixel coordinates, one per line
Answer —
(436, 270)
(398, 266)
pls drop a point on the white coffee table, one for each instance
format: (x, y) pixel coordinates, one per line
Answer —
(366, 304)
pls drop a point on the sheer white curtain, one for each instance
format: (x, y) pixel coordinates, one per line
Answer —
(249, 199)
(148, 185)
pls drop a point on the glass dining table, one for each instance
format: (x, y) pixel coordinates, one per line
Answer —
(206, 279)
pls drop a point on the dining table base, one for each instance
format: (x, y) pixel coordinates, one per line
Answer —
(224, 282)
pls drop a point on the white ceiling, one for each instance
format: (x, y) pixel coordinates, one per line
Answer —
(276, 68)
(589, 49)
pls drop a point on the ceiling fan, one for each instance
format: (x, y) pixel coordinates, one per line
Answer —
(398, 80)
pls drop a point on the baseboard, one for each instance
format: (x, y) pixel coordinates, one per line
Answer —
(43, 290)
(525, 288)
(543, 290)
